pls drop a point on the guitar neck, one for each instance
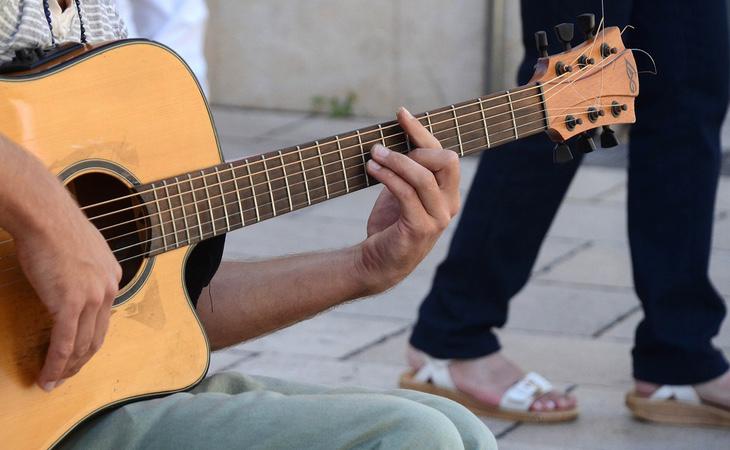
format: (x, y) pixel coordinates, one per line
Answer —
(199, 205)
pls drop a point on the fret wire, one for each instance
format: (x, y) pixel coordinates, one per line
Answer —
(210, 205)
(342, 160)
(512, 110)
(238, 195)
(268, 181)
(382, 136)
(428, 121)
(484, 119)
(408, 143)
(159, 214)
(223, 198)
(286, 180)
(458, 132)
(195, 202)
(324, 173)
(172, 214)
(182, 205)
(362, 155)
(253, 190)
(304, 174)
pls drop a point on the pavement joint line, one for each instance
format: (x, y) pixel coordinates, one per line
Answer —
(585, 245)
(359, 315)
(604, 329)
(250, 356)
(586, 286)
(508, 430)
(375, 343)
(613, 189)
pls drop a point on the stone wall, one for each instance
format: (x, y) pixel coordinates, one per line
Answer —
(282, 54)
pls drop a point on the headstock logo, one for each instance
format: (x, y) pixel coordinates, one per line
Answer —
(631, 72)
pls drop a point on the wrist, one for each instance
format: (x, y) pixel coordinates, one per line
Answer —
(371, 272)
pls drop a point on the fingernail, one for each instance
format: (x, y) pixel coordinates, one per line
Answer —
(374, 165)
(380, 151)
(48, 386)
(403, 110)
(58, 385)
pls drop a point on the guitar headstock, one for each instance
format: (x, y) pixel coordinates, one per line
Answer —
(593, 85)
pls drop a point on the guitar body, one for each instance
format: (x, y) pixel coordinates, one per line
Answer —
(130, 112)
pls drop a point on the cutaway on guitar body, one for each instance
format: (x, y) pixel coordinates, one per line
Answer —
(106, 120)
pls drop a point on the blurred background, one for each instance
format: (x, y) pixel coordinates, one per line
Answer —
(284, 72)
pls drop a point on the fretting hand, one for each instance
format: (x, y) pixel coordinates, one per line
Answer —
(420, 198)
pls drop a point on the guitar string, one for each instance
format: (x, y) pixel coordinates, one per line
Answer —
(342, 149)
(303, 173)
(475, 103)
(317, 169)
(273, 204)
(588, 68)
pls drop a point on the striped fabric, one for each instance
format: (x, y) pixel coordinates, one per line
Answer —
(23, 24)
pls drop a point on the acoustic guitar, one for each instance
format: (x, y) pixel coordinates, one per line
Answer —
(126, 128)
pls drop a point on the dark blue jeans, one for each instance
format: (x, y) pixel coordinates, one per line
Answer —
(673, 172)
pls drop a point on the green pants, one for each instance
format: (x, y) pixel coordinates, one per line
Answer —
(233, 411)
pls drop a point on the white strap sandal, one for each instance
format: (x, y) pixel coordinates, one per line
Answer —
(677, 405)
(434, 377)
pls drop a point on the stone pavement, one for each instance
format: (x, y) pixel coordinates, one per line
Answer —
(573, 323)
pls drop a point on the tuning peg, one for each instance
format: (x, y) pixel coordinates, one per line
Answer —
(562, 154)
(585, 143)
(565, 33)
(587, 24)
(541, 40)
(608, 138)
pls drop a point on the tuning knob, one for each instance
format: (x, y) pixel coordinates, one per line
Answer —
(541, 40)
(565, 33)
(562, 154)
(608, 138)
(585, 144)
(587, 24)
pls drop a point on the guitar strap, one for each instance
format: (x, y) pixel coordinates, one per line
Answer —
(47, 10)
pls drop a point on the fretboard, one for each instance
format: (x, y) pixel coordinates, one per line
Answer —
(196, 206)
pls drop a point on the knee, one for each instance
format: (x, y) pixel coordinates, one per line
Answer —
(418, 426)
(474, 433)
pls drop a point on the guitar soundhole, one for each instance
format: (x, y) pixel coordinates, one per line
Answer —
(120, 216)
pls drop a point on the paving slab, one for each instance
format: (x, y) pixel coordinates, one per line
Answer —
(593, 183)
(577, 311)
(604, 263)
(587, 220)
(253, 123)
(331, 334)
(605, 423)
(721, 231)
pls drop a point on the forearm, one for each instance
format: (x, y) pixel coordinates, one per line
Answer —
(28, 191)
(250, 299)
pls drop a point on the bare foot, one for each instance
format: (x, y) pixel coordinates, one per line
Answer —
(488, 378)
(715, 391)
